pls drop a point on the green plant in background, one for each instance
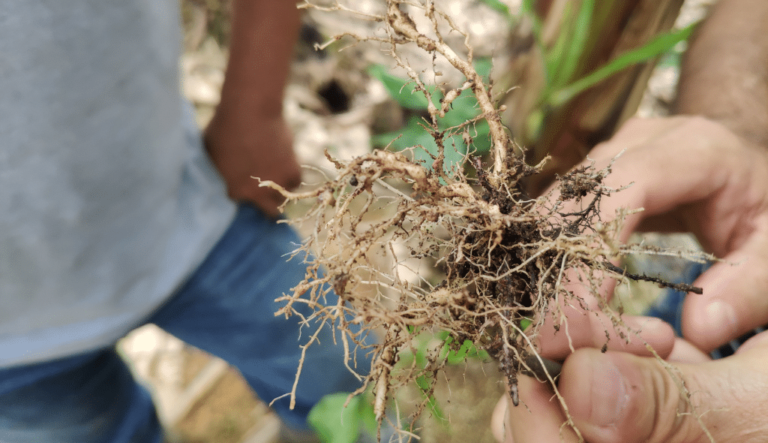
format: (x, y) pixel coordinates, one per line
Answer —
(335, 423)
(464, 109)
(449, 353)
(501, 8)
(561, 78)
(660, 45)
(561, 60)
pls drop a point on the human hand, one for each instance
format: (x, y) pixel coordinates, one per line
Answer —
(691, 174)
(619, 397)
(248, 136)
(259, 147)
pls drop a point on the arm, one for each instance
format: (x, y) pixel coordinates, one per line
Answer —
(248, 136)
(724, 76)
(706, 176)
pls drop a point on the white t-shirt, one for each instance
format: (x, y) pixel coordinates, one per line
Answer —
(107, 199)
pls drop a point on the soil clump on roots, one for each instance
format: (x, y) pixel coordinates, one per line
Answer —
(506, 258)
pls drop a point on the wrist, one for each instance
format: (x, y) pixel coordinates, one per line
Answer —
(256, 106)
(234, 118)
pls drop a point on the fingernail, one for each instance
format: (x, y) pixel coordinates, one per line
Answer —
(609, 393)
(722, 317)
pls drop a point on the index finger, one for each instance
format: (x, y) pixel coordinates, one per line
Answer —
(671, 162)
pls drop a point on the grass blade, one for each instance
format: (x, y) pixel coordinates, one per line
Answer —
(528, 10)
(655, 47)
(578, 40)
(499, 7)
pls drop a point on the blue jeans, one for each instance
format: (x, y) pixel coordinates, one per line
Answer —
(669, 307)
(226, 308)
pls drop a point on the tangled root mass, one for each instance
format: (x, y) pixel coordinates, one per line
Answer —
(505, 259)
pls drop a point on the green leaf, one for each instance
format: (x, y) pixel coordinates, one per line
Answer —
(468, 350)
(499, 7)
(424, 383)
(463, 108)
(414, 134)
(557, 53)
(445, 351)
(369, 417)
(455, 151)
(404, 90)
(524, 323)
(334, 423)
(418, 353)
(673, 57)
(411, 135)
(437, 411)
(481, 138)
(479, 354)
(483, 66)
(458, 357)
(577, 41)
(421, 356)
(655, 47)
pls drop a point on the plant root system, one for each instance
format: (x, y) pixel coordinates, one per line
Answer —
(507, 260)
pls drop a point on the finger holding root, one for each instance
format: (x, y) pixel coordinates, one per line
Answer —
(505, 259)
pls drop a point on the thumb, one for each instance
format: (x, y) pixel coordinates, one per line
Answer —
(620, 397)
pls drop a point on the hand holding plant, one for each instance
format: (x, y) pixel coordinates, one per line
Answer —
(694, 175)
(508, 260)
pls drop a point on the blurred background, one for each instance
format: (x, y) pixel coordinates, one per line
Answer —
(569, 71)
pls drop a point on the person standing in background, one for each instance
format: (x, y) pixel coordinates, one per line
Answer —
(114, 214)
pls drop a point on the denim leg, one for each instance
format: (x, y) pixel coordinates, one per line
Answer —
(227, 308)
(669, 305)
(90, 398)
